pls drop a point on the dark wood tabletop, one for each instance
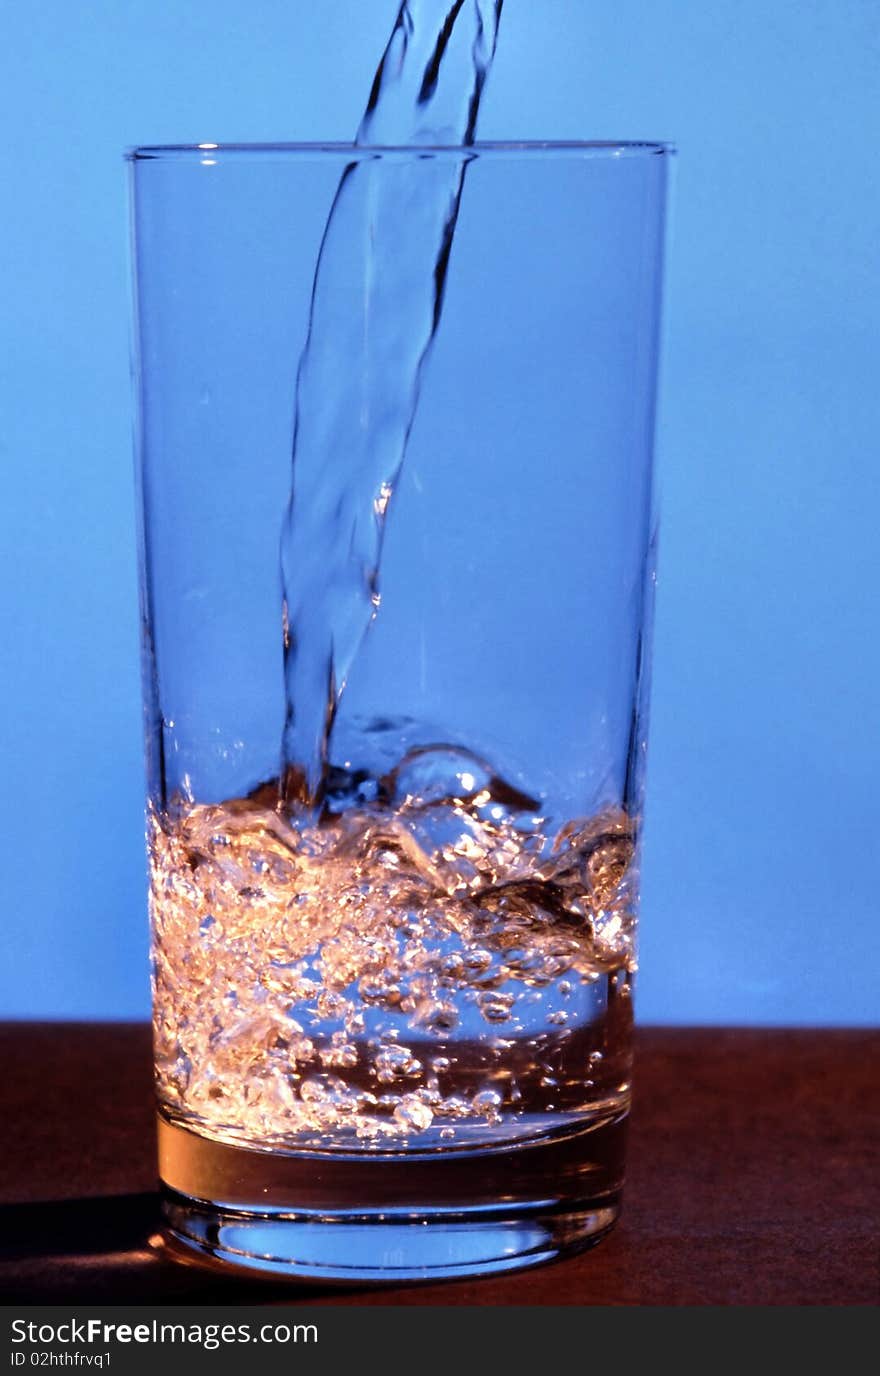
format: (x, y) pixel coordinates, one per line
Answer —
(753, 1179)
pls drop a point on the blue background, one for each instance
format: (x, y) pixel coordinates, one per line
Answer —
(759, 894)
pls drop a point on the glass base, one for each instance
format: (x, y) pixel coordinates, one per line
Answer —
(390, 1218)
(381, 1247)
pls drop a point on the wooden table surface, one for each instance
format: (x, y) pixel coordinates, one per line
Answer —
(753, 1179)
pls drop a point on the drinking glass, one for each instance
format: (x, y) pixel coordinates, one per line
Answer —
(392, 983)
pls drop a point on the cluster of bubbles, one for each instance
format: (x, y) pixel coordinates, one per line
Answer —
(417, 959)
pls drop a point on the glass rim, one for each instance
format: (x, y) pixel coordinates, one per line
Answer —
(586, 148)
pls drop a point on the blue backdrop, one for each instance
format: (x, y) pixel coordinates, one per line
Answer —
(759, 902)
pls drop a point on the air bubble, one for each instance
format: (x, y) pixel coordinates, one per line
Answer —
(412, 1113)
(495, 1007)
(395, 1062)
(487, 1102)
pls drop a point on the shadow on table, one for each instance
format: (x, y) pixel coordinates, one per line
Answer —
(109, 1249)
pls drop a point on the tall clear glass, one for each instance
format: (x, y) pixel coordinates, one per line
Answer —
(394, 851)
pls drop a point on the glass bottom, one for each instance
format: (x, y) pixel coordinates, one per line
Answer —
(403, 1216)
